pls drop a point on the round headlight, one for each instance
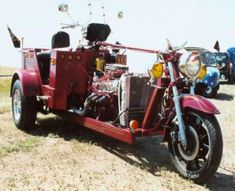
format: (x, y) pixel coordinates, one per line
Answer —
(190, 64)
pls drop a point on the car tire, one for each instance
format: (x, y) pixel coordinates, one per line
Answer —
(210, 92)
(230, 79)
(24, 108)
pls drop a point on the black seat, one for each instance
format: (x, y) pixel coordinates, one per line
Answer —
(44, 65)
(97, 32)
(59, 40)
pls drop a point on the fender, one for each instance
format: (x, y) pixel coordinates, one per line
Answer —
(198, 103)
(29, 80)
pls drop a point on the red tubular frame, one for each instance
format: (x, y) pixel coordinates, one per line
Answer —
(126, 134)
(122, 134)
(130, 48)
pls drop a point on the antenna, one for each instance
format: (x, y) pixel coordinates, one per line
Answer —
(103, 11)
(89, 7)
(90, 11)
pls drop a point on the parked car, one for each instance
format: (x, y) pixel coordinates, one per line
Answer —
(231, 52)
(224, 65)
(209, 86)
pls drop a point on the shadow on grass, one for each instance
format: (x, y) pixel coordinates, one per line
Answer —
(222, 182)
(147, 153)
(224, 97)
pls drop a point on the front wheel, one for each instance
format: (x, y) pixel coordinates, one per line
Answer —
(210, 92)
(24, 108)
(200, 159)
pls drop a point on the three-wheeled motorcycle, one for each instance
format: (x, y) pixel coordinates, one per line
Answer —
(92, 87)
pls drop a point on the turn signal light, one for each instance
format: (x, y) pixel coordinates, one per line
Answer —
(157, 70)
(202, 73)
(134, 124)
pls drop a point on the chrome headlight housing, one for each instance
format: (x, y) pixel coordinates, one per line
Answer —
(190, 64)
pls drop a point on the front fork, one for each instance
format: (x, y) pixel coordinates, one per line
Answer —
(176, 99)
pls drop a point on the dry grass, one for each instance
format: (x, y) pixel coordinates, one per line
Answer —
(57, 155)
(20, 146)
(5, 94)
(5, 70)
(5, 84)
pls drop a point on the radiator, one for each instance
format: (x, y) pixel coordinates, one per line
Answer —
(134, 94)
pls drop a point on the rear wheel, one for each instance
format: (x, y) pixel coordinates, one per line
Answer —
(24, 109)
(200, 159)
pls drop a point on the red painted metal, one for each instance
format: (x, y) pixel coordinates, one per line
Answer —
(130, 48)
(152, 107)
(156, 97)
(120, 133)
(30, 82)
(69, 74)
(199, 103)
(30, 59)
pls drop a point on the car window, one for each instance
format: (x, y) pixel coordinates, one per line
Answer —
(221, 58)
(208, 58)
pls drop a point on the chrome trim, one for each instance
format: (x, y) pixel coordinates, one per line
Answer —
(16, 105)
(176, 99)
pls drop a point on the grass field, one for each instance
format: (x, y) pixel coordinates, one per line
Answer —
(58, 155)
(6, 70)
(5, 83)
(5, 94)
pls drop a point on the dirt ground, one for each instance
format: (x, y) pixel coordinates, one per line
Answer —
(57, 155)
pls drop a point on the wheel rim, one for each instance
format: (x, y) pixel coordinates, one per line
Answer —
(208, 90)
(194, 157)
(17, 104)
(190, 152)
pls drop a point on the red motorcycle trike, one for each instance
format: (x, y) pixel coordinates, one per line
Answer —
(92, 87)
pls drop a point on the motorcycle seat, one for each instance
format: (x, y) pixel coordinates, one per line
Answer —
(60, 41)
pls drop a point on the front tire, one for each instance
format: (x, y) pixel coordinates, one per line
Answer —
(24, 108)
(200, 159)
(210, 92)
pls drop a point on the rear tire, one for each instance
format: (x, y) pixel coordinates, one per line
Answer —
(202, 155)
(24, 108)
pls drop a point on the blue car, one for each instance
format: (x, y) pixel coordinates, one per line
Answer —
(231, 52)
(209, 86)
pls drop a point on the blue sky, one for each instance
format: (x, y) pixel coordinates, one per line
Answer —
(145, 24)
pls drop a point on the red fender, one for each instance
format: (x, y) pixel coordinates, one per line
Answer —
(199, 103)
(29, 80)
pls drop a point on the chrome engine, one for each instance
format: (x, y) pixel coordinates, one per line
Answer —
(118, 96)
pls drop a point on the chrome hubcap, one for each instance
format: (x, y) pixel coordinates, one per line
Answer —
(191, 151)
(17, 104)
(195, 155)
(209, 89)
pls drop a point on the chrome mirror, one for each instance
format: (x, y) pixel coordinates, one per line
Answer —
(63, 7)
